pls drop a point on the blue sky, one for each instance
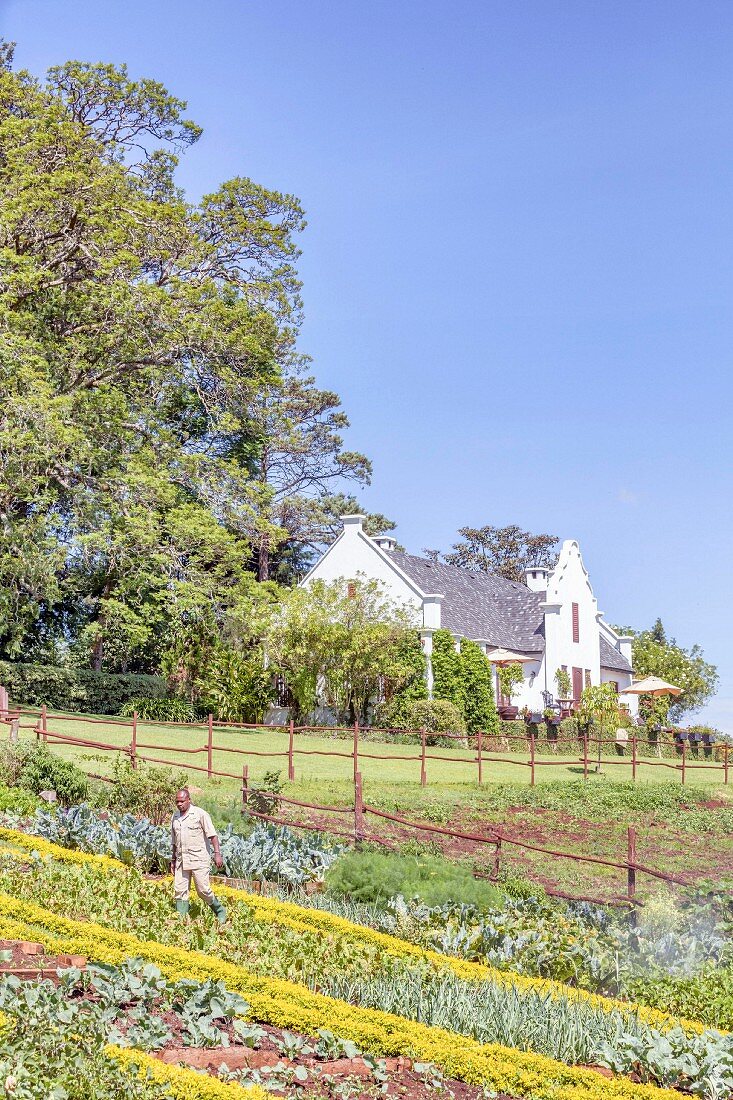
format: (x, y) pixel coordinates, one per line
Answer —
(518, 269)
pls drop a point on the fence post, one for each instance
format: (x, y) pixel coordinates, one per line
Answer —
(631, 862)
(245, 785)
(291, 765)
(497, 856)
(3, 702)
(14, 729)
(423, 776)
(44, 723)
(210, 747)
(356, 750)
(479, 745)
(684, 760)
(358, 809)
(633, 756)
(531, 759)
(585, 754)
(725, 763)
(133, 746)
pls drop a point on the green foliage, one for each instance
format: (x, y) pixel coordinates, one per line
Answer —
(599, 704)
(448, 680)
(237, 687)
(16, 800)
(435, 716)
(341, 645)
(510, 677)
(43, 771)
(166, 437)
(146, 791)
(77, 689)
(161, 710)
(654, 654)
(376, 876)
(478, 690)
(564, 685)
(396, 710)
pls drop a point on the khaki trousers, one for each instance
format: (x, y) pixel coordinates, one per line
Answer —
(201, 880)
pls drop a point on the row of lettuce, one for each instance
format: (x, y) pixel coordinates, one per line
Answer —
(276, 951)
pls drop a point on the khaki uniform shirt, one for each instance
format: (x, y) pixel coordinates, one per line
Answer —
(190, 835)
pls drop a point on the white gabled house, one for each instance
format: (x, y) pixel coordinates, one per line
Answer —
(552, 620)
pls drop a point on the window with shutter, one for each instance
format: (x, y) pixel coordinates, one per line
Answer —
(577, 684)
(576, 623)
(351, 590)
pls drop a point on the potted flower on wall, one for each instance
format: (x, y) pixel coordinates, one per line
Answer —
(510, 677)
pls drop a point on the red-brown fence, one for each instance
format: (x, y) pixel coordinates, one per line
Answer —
(355, 829)
(497, 839)
(589, 749)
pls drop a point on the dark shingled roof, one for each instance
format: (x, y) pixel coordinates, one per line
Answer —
(611, 658)
(480, 605)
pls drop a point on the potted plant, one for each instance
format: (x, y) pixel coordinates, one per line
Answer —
(564, 688)
(510, 677)
(551, 716)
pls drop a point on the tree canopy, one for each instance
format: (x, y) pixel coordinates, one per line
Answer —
(158, 434)
(503, 551)
(654, 654)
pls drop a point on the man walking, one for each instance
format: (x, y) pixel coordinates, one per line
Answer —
(192, 831)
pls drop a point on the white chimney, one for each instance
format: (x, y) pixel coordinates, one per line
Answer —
(354, 522)
(535, 577)
(385, 542)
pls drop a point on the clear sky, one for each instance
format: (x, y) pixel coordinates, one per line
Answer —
(518, 269)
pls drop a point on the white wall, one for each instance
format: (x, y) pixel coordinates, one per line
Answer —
(568, 584)
(352, 553)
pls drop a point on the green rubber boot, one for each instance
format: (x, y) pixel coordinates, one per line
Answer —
(219, 911)
(182, 908)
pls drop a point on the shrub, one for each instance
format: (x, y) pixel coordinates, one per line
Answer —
(478, 693)
(376, 876)
(12, 759)
(144, 791)
(436, 716)
(161, 710)
(17, 800)
(76, 689)
(447, 670)
(42, 771)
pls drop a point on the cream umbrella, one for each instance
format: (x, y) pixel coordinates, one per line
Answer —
(651, 685)
(509, 657)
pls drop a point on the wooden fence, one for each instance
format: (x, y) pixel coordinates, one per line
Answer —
(352, 821)
(589, 749)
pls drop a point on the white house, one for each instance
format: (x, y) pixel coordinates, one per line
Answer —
(552, 620)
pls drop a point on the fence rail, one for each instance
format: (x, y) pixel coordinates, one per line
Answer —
(587, 750)
(497, 839)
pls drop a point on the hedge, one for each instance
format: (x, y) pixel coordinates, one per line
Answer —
(76, 689)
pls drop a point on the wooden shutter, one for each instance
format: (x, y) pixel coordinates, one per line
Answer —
(577, 684)
(351, 590)
(576, 623)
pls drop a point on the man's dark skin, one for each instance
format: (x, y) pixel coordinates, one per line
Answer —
(183, 801)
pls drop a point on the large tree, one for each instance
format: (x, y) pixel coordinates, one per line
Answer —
(654, 654)
(141, 337)
(504, 551)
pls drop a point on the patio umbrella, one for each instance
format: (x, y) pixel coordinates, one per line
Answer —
(651, 685)
(508, 657)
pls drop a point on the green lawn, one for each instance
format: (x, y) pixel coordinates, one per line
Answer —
(457, 768)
